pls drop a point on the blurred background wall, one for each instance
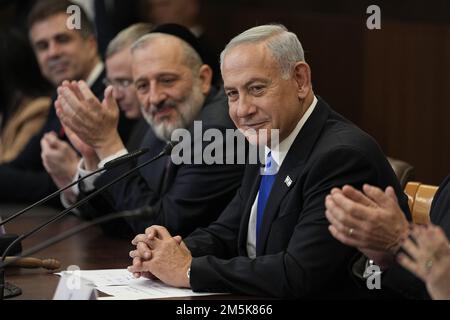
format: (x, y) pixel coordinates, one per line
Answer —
(394, 83)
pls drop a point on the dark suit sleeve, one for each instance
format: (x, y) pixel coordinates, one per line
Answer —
(195, 198)
(312, 259)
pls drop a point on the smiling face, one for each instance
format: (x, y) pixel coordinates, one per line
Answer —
(258, 96)
(62, 54)
(170, 93)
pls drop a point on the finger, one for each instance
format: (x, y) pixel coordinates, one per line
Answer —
(87, 93)
(350, 209)
(151, 232)
(157, 232)
(410, 248)
(144, 251)
(335, 190)
(376, 195)
(139, 238)
(52, 139)
(109, 101)
(342, 237)
(69, 101)
(411, 265)
(162, 233)
(76, 90)
(44, 144)
(136, 266)
(390, 192)
(357, 196)
(339, 226)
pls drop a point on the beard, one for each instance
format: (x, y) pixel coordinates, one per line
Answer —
(186, 110)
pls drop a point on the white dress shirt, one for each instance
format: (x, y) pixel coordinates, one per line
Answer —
(278, 155)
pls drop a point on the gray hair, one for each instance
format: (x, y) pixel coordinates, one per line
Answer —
(127, 37)
(283, 44)
(191, 57)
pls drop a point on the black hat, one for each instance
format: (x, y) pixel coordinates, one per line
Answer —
(183, 33)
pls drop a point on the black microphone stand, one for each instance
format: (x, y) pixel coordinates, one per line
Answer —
(167, 149)
(65, 235)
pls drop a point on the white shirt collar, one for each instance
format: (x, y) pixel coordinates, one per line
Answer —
(95, 73)
(278, 154)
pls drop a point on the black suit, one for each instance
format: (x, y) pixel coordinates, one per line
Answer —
(401, 280)
(24, 179)
(179, 197)
(298, 257)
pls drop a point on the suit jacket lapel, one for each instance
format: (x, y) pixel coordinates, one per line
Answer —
(291, 168)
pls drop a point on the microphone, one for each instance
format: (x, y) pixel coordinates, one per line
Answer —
(166, 151)
(109, 165)
(125, 158)
(13, 260)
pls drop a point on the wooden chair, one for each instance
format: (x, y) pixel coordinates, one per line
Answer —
(420, 197)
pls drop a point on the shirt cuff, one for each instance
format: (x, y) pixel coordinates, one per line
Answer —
(88, 184)
(118, 154)
(74, 189)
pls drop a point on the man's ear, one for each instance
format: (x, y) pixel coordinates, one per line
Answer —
(302, 75)
(205, 75)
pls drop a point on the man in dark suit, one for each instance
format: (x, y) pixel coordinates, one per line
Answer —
(63, 54)
(174, 88)
(273, 239)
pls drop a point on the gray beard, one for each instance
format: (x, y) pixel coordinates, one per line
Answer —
(187, 111)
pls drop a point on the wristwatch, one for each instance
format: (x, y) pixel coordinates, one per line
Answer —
(188, 273)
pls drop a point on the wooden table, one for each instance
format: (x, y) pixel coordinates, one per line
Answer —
(90, 249)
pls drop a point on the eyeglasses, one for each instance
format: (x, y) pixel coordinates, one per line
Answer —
(121, 84)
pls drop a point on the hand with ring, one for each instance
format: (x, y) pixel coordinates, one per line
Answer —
(370, 220)
(428, 257)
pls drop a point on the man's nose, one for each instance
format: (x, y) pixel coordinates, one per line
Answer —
(118, 93)
(245, 107)
(54, 49)
(156, 95)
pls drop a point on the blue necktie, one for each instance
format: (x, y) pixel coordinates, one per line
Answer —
(265, 187)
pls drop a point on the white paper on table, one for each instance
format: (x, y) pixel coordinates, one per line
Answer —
(107, 277)
(148, 289)
(121, 285)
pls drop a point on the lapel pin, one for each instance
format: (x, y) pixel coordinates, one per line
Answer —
(288, 181)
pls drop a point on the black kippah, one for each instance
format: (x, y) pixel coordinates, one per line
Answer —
(183, 33)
